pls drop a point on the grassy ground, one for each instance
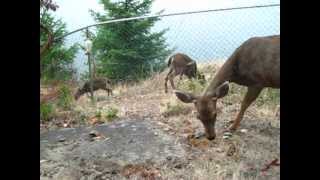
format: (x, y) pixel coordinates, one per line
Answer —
(241, 157)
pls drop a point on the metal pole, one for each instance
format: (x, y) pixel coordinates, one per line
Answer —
(90, 70)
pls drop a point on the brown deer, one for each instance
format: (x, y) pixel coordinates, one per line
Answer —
(98, 83)
(181, 64)
(255, 64)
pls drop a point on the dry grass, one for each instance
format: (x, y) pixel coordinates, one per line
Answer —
(252, 150)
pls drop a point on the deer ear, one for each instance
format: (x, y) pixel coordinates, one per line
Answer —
(185, 97)
(191, 63)
(222, 90)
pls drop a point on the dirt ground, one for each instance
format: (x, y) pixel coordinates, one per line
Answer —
(156, 137)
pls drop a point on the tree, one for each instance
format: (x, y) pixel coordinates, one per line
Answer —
(45, 6)
(55, 59)
(128, 50)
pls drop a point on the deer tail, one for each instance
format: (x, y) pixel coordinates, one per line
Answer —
(170, 60)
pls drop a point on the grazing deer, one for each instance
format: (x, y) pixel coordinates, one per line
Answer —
(181, 64)
(255, 64)
(98, 83)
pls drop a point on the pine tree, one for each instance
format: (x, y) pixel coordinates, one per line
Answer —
(56, 60)
(128, 50)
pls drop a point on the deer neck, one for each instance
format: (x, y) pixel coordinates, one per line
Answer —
(223, 75)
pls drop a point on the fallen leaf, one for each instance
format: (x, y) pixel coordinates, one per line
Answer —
(272, 163)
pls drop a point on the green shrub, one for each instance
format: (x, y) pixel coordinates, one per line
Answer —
(65, 99)
(98, 113)
(193, 86)
(269, 96)
(112, 113)
(46, 111)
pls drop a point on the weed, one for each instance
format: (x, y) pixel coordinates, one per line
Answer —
(65, 99)
(193, 85)
(111, 113)
(46, 111)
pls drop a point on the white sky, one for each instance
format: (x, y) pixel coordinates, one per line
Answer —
(76, 12)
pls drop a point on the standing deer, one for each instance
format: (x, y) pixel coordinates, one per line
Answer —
(255, 64)
(98, 83)
(181, 64)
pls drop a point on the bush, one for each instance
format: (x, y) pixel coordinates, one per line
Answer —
(112, 113)
(46, 111)
(193, 86)
(269, 96)
(65, 99)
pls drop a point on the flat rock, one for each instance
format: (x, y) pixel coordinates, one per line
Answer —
(127, 142)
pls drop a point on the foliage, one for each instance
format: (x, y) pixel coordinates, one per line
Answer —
(46, 111)
(194, 86)
(269, 96)
(65, 98)
(56, 63)
(48, 5)
(112, 113)
(127, 50)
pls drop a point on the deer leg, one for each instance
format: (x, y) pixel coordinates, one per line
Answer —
(171, 77)
(166, 81)
(106, 89)
(251, 95)
(181, 76)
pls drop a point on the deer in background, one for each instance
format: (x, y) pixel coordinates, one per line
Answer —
(181, 64)
(98, 83)
(255, 64)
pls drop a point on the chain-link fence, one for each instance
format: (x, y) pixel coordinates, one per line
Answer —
(205, 36)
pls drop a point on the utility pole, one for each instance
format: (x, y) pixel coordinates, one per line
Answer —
(88, 44)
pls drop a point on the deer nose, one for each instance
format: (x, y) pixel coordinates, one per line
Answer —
(211, 137)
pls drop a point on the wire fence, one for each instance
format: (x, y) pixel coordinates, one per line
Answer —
(205, 36)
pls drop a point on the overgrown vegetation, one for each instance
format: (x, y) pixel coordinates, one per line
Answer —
(111, 113)
(269, 96)
(128, 50)
(194, 86)
(56, 62)
(47, 111)
(65, 99)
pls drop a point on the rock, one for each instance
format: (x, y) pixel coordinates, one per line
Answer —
(244, 130)
(227, 135)
(93, 133)
(169, 158)
(61, 138)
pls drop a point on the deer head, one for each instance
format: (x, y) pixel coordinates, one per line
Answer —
(206, 106)
(191, 69)
(78, 94)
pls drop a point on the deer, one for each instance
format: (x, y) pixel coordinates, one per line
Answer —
(97, 83)
(181, 64)
(255, 64)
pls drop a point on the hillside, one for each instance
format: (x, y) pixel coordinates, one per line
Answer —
(174, 127)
